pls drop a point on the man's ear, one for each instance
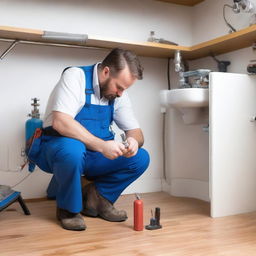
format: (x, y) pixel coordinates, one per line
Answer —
(106, 72)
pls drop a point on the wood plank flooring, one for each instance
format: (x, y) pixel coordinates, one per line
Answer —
(187, 231)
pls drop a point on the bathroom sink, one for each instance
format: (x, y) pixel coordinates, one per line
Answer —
(192, 103)
(188, 97)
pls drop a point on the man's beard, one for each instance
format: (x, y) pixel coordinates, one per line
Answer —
(103, 90)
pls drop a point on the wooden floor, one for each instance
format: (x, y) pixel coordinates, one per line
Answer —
(187, 230)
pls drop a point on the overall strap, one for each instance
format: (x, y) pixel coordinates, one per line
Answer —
(88, 72)
(111, 104)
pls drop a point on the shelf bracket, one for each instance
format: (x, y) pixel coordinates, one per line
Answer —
(9, 49)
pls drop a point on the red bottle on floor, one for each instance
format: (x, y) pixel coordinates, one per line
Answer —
(138, 214)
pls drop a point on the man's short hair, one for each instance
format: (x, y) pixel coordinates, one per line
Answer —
(117, 60)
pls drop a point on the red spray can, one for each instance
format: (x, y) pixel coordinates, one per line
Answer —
(138, 214)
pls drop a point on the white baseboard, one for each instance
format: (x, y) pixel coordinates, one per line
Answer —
(188, 188)
(144, 186)
(166, 187)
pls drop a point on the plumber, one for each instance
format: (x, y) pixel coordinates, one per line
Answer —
(78, 141)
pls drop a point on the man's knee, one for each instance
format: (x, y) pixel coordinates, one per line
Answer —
(142, 160)
(71, 153)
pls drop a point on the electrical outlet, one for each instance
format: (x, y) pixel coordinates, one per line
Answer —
(11, 158)
(253, 119)
(163, 110)
(22, 152)
(14, 158)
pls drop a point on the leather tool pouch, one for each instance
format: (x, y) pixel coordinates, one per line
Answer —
(33, 148)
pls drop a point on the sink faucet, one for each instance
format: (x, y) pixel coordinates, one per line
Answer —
(179, 68)
(200, 75)
(178, 61)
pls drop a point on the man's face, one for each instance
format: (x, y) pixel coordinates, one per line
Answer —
(112, 87)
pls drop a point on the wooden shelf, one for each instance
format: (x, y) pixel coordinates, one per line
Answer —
(144, 49)
(228, 43)
(183, 2)
(147, 49)
(238, 40)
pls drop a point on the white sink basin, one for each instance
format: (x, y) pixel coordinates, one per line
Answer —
(192, 103)
(188, 97)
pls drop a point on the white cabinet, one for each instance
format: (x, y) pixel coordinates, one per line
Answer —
(232, 144)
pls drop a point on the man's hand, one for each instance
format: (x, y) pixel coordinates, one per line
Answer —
(132, 148)
(113, 149)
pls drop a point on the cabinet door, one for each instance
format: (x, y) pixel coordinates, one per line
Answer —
(232, 143)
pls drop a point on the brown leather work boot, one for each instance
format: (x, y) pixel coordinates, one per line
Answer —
(96, 205)
(70, 221)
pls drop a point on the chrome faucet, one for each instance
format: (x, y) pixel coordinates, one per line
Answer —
(179, 68)
(200, 75)
(178, 61)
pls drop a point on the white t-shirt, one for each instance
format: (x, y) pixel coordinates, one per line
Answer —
(68, 97)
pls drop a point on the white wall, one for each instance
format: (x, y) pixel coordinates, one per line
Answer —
(131, 20)
(32, 71)
(208, 22)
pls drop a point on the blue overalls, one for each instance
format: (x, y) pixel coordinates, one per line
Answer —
(68, 158)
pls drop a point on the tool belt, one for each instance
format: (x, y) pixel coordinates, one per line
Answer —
(32, 149)
(49, 131)
(34, 143)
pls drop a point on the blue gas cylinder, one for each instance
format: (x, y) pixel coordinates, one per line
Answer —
(35, 121)
(31, 125)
